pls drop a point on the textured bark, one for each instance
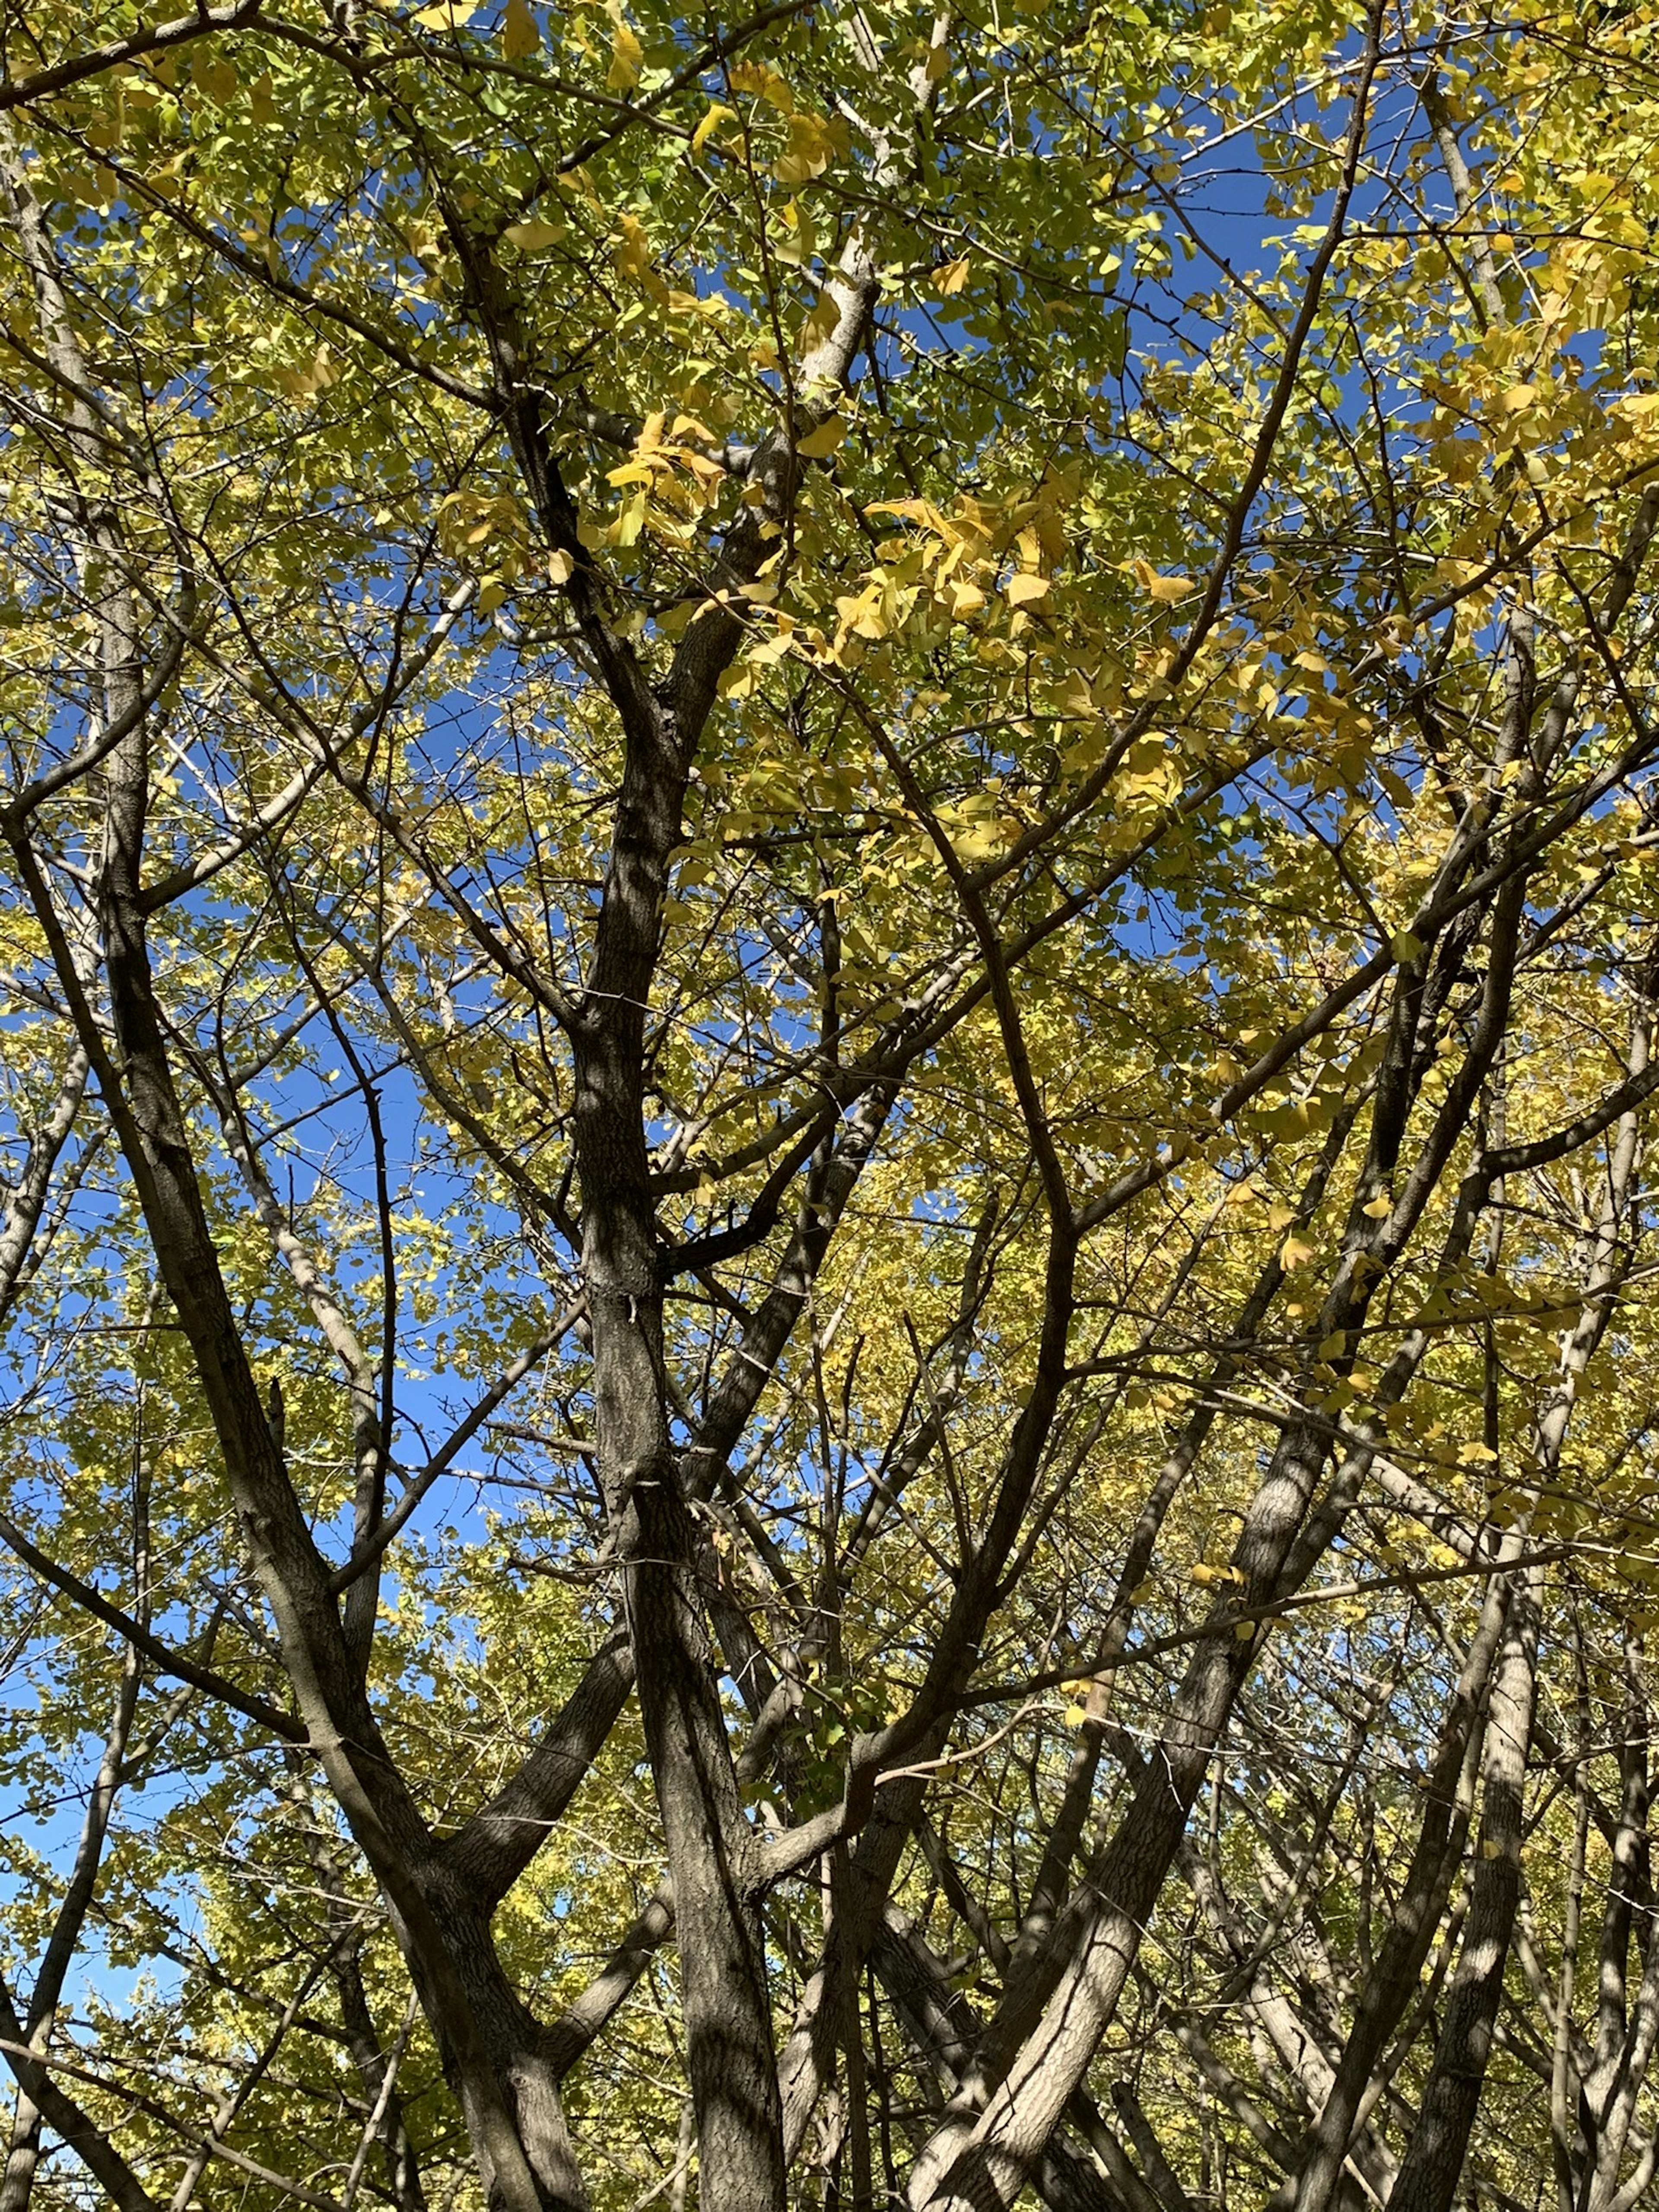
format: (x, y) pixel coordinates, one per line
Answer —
(570, 2035)
(1433, 2162)
(982, 2163)
(326, 1681)
(489, 1853)
(27, 1198)
(724, 1997)
(1052, 1878)
(403, 2172)
(1393, 1979)
(724, 1993)
(1626, 2034)
(944, 2032)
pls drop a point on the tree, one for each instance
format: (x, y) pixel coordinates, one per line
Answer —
(830, 1029)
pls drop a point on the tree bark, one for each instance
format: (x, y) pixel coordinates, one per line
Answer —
(1433, 2163)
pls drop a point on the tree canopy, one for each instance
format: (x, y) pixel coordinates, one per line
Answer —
(830, 1362)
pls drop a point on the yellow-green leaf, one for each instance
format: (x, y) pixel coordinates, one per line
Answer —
(531, 236)
(627, 59)
(520, 36)
(818, 445)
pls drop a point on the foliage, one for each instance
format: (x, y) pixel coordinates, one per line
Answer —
(828, 999)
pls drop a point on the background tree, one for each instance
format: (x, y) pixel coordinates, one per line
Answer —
(829, 1003)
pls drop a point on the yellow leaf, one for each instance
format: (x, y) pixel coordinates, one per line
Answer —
(951, 277)
(559, 567)
(1296, 1252)
(1280, 1216)
(762, 80)
(862, 613)
(520, 36)
(818, 445)
(974, 826)
(1166, 590)
(813, 143)
(532, 236)
(711, 123)
(627, 59)
(819, 325)
(1379, 1209)
(301, 382)
(633, 249)
(1019, 591)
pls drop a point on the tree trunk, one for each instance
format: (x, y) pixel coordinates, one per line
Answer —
(1433, 2163)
